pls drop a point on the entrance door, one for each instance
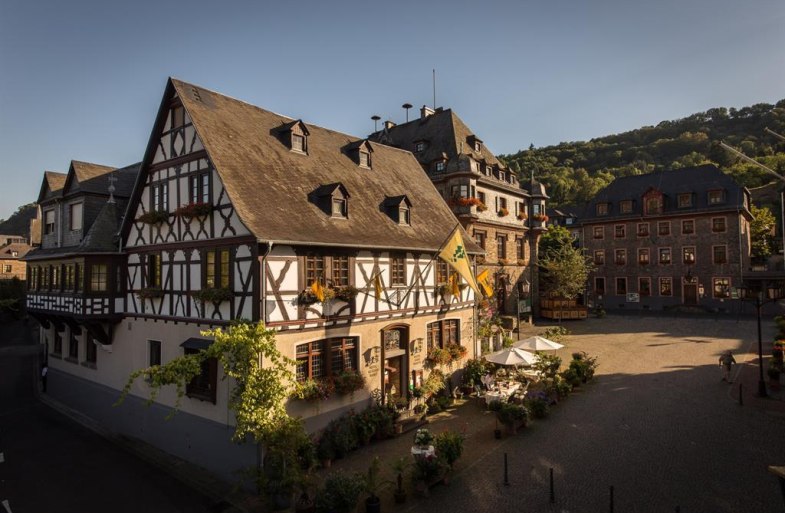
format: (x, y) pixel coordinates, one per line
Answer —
(395, 342)
(690, 293)
(394, 385)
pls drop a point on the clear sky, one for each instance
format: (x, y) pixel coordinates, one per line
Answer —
(82, 79)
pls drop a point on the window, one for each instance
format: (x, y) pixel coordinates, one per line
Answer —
(154, 352)
(666, 287)
(90, 351)
(69, 277)
(49, 221)
(397, 270)
(502, 203)
(7, 268)
(442, 272)
(665, 256)
(643, 229)
(654, 205)
(620, 256)
(520, 248)
(440, 166)
(419, 146)
(718, 224)
(643, 256)
(685, 200)
(339, 206)
(481, 196)
(716, 197)
(200, 187)
(477, 146)
(203, 386)
(599, 232)
(75, 211)
(721, 287)
(621, 286)
(365, 159)
(620, 231)
(314, 269)
(154, 270)
(480, 238)
(56, 277)
(298, 143)
(98, 277)
(688, 227)
(719, 254)
(32, 283)
(501, 246)
(599, 257)
(460, 191)
(58, 344)
(159, 197)
(78, 277)
(340, 271)
(664, 228)
(443, 333)
(599, 286)
(326, 358)
(404, 215)
(73, 347)
(46, 272)
(602, 209)
(625, 207)
(216, 268)
(688, 254)
(644, 286)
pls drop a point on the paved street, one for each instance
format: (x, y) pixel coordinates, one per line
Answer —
(49, 463)
(658, 425)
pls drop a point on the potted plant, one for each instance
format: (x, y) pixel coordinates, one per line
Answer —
(512, 416)
(348, 382)
(325, 450)
(307, 298)
(482, 207)
(457, 352)
(197, 209)
(340, 493)
(423, 438)
(153, 217)
(449, 446)
(439, 356)
(373, 503)
(347, 293)
(399, 466)
(522, 216)
(213, 295)
(503, 212)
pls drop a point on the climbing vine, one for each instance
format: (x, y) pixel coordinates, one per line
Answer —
(262, 377)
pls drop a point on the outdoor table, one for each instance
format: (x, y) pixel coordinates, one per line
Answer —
(423, 451)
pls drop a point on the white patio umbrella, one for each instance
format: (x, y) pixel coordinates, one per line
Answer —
(537, 343)
(512, 356)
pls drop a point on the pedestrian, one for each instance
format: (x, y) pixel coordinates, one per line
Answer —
(44, 372)
(726, 362)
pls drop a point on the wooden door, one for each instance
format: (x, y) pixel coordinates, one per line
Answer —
(690, 293)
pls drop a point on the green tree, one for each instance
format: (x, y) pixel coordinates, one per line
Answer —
(564, 272)
(554, 240)
(762, 232)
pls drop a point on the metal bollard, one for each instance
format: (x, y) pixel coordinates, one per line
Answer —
(678, 509)
(553, 496)
(506, 478)
(611, 498)
(741, 397)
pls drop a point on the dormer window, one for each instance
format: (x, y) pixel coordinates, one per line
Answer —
(716, 197)
(399, 208)
(602, 209)
(360, 152)
(295, 135)
(333, 200)
(419, 146)
(474, 143)
(441, 166)
(502, 176)
(685, 200)
(653, 202)
(625, 207)
(365, 159)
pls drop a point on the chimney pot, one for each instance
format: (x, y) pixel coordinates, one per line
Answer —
(425, 111)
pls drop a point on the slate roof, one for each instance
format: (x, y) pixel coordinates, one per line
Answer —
(269, 185)
(53, 185)
(697, 180)
(94, 178)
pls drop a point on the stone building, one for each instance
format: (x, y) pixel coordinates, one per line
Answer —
(12, 249)
(505, 217)
(678, 237)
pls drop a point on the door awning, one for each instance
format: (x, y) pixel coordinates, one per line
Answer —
(196, 343)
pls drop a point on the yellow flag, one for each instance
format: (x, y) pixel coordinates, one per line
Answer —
(484, 281)
(317, 290)
(454, 253)
(377, 285)
(454, 288)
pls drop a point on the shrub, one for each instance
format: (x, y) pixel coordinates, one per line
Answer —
(444, 402)
(364, 425)
(556, 333)
(439, 356)
(583, 365)
(427, 468)
(457, 352)
(343, 435)
(475, 369)
(509, 414)
(548, 365)
(434, 383)
(340, 493)
(538, 405)
(449, 445)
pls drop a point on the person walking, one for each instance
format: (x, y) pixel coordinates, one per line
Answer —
(44, 372)
(726, 362)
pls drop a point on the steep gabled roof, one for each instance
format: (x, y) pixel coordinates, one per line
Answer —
(269, 184)
(52, 185)
(94, 178)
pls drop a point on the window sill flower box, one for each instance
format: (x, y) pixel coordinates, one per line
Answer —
(522, 216)
(503, 212)
(314, 390)
(348, 382)
(346, 294)
(212, 295)
(153, 217)
(542, 218)
(192, 210)
(150, 293)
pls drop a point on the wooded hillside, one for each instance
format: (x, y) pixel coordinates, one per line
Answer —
(573, 172)
(19, 222)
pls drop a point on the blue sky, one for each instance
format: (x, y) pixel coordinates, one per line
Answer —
(83, 79)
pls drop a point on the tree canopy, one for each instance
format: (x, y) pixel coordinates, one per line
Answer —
(762, 232)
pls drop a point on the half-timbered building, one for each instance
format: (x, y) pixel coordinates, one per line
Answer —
(236, 213)
(505, 217)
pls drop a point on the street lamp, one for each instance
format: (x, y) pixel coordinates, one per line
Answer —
(760, 296)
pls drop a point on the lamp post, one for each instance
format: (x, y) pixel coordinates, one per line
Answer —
(759, 297)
